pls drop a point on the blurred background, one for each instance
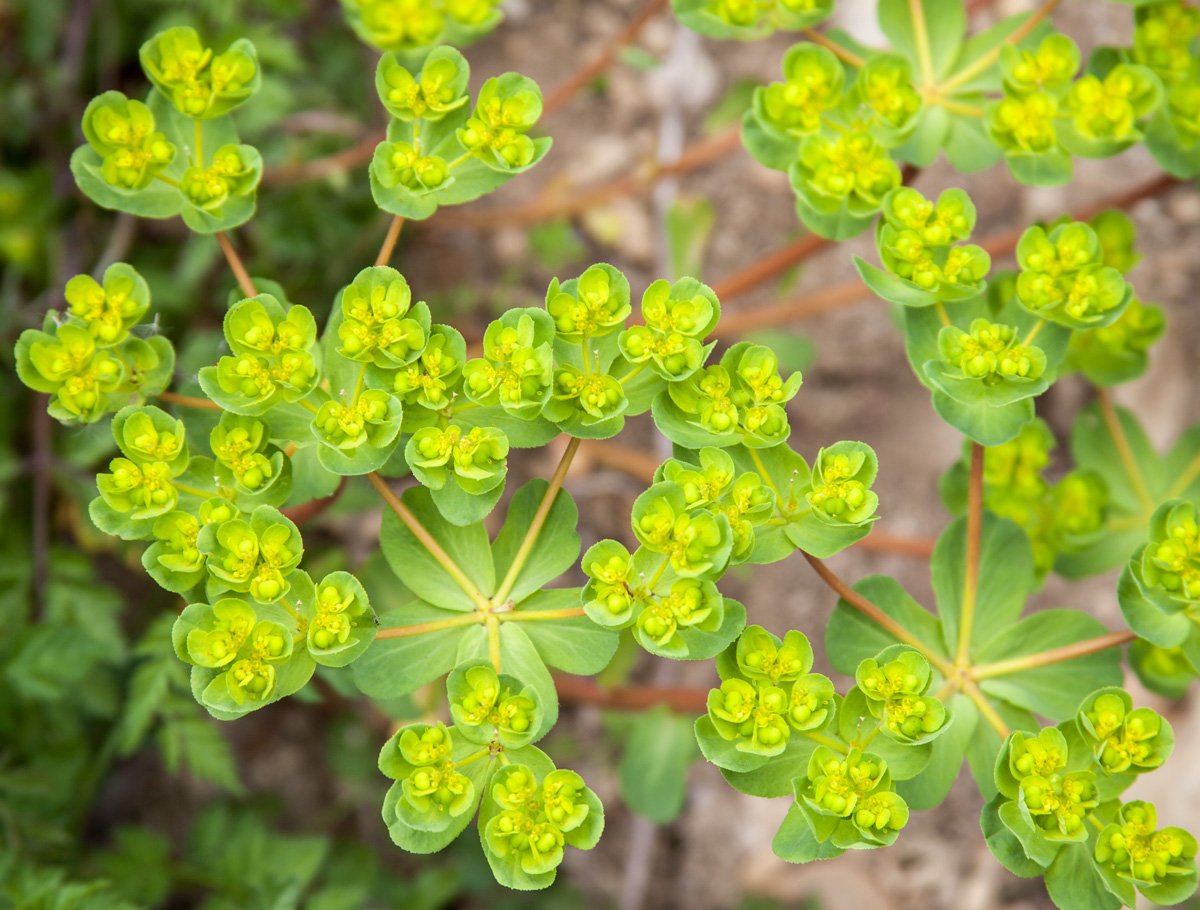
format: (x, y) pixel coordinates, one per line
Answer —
(117, 790)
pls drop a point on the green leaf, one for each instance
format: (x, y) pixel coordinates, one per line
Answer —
(1052, 168)
(774, 778)
(932, 785)
(1003, 843)
(573, 645)
(1036, 846)
(723, 753)
(519, 657)
(396, 666)
(1055, 690)
(984, 746)
(945, 26)
(1004, 553)
(158, 200)
(851, 637)
(414, 565)
(653, 768)
(1074, 882)
(461, 508)
(557, 545)
(795, 841)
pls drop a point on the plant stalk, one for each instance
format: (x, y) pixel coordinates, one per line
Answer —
(974, 534)
(235, 264)
(1053, 656)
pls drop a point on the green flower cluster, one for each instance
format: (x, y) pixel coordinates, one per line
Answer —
(88, 359)
(1061, 517)
(1132, 852)
(1039, 786)
(924, 262)
(1159, 591)
(177, 154)
(412, 27)
(750, 19)
(489, 707)
(767, 693)
(438, 150)
(1064, 278)
(1047, 115)
(1124, 739)
(141, 483)
(832, 135)
(895, 692)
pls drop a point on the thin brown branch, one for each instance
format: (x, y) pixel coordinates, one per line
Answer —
(580, 691)
(307, 511)
(602, 61)
(1054, 655)
(189, 401)
(357, 154)
(548, 206)
(770, 265)
(389, 241)
(235, 264)
(883, 542)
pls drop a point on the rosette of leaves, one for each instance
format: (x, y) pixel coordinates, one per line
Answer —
(271, 361)
(921, 267)
(249, 470)
(999, 637)
(680, 617)
(573, 644)
(739, 400)
(410, 28)
(93, 361)
(258, 557)
(750, 21)
(244, 655)
(490, 707)
(438, 151)
(981, 363)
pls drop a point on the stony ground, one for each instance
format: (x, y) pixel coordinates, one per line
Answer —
(858, 387)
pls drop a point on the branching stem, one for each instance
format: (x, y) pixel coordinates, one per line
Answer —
(1053, 656)
(921, 33)
(969, 72)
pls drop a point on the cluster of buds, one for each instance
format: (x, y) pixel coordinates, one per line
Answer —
(919, 243)
(1124, 738)
(246, 463)
(228, 637)
(1049, 67)
(677, 319)
(1064, 279)
(506, 108)
(740, 399)
(89, 361)
(886, 89)
(234, 173)
(431, 382)
(715, 484)
(1110, 108)
(1023, 123)
(430, 793)
(155, 452)
(516, 368)
(850, 173)
(750, 18)
(380, 324)
(410, 27)
(255, 556)
(767, 692)
(370, 419)
(694, 541)
(1136, 852)
(271, 359)
(200, 83)
(124, 134)
(668, 616)
(812, 86)
(342, 625)
(991, 353)
(477, 458)
(528, 818)
(488, 707)
(1032, 771)
(840, 489)
(851, 799)
(895, 692)
(590, 306)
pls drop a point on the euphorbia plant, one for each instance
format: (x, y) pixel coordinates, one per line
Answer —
(290, 410)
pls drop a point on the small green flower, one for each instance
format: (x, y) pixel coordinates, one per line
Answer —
(878, 816)
(841, 479)
(200, 83)
(1110, 108)
(396, 25)
(1124, 738)
(590, 306)
(70, 366)
(1063, 279)
(339, 604)
(852, 168)
(149, 434)
(1162, 38)
(761, 656)
(1042, 756)
(837, 785)
(1050, 67)
(373, 419)
(813, 85)
(1079, 503)
(178, 532)
(753, 716)
(1024, 123)
(536, 820)
(912, 719)
(433, 792)
(431, 380)
(476, 458)
(1183, 107)
(506, 108)
(677, 317)
(692, 541)
(1060, 804)
(225, 629)
(401, 164)
(110, 310)
(255, 556)
(378, 323)
(122, 132)
(810, 702)
(598, 396)
(235, 171)
(271, 359)
(688, 604)
(935, 224)
(887, 86)
(440, 88)
(1136, 850)
(907, 675)
(1170, 563)
(139, 490)
(516, 369)
(240, 445)
(610, 592)
(485, 705)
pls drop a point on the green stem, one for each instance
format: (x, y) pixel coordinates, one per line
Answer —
(312, 408)
(423, 628)
(1117, 432)
(283, 603)
(974, 535)
(358, 383)
(427, 540)
(587, 360)
(921, 34)
(417, 135)
(870, 736)
(826, 741)
(195, 491)
(189, 401)
(662, 568)
(985, 708)
(762, 470)
(493, 637)
(457, 161)
(969, 72)
(539, 519)
(531, 615)
(1033, 333)
(200, 143)
(1053, 656)
(941, 311)
(474, 756)
(844, 54)
(169, 181)
(628, 376)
